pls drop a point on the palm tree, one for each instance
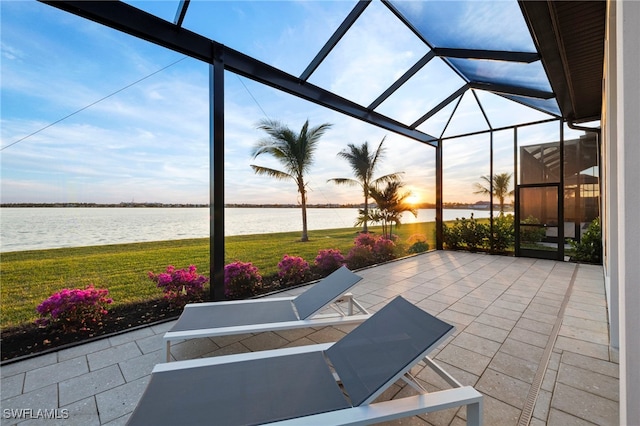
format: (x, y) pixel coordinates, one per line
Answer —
(391, 204)
(294, 152)
(363, 165)
(501, 183)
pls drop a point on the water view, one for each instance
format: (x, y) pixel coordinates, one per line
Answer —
(45, 228)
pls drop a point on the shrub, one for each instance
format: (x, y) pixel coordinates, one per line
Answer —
(417, 244)
(366, 240)
(589, 248)
(369, 249)
(418, 247)
(328, 260)
(474, 234)
(75, 309)
(180, 286)
(503, 235)
(360, 256)
(531, 234)
(415, 238)
(241, 280)
(466, 232)
(384, 249)
(451, 236)
(293, 270)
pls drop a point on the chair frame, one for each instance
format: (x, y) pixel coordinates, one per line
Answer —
(352, 313)
(362, 409)
(368, 413)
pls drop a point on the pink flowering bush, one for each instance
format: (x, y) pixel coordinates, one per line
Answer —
(293, 270)
(180, 286)
(75, 309)
(241, 280)
(369, 249)
(365, 240)
(328, 260)
(360, 256)
(384, 249)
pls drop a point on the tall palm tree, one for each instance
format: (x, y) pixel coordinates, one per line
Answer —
(294, 151)
(364, 165)
(391, 204)
(501, 183)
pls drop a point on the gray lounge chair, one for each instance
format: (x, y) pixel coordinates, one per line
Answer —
(310, 385)
(270, 314)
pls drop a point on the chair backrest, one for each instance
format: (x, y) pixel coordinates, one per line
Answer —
(380, 350)
(325, 291)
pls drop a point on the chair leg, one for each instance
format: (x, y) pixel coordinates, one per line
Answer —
(350, 304)
(168, 351)
(474, 414)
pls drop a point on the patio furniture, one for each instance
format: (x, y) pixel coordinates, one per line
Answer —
(327, 384)
(270, 314)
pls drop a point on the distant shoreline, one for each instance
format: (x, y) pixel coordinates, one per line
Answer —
(475, 206)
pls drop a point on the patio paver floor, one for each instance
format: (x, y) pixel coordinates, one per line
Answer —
(507, 312)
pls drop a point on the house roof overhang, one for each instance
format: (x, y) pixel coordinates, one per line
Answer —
(570, 37)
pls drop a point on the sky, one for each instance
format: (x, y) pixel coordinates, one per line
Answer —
(89, 114)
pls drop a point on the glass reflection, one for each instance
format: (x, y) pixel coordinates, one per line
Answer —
(490, 25)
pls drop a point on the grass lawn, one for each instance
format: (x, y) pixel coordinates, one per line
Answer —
(29, 277)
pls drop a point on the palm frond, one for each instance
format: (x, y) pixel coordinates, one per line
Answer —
(277, 174)
(344, 181)
(378, 154)
(387, 178)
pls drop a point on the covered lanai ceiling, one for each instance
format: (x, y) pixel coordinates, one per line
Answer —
(474, 62)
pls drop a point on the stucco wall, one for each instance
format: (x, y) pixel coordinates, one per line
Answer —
(623, 200)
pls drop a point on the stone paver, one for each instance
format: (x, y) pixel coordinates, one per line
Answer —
(54, 373)
(506, 311)
(89, 384)
(585, 405)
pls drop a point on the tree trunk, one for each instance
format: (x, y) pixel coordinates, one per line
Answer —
(303, 202)
(365, 228)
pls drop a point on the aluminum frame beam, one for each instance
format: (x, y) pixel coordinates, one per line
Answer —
(511, 90)
(128, 19)
(405, 77)
(441, 105)
(181, 12)
(492, 55)
(335, 38)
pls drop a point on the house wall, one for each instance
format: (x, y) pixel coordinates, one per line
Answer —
(621, 132)
(609, 177)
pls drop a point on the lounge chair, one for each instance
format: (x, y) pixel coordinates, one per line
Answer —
(327, 384)
(270, 314)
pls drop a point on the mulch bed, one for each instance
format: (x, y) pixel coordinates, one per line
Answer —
(27, 340)
(20, 342)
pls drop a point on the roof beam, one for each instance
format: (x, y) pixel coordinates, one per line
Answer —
(406, 22)
(181, 12)
(399, 82)
(335, 38)
(492, 55)
(440, 106)
(511, 90)
(128, 19)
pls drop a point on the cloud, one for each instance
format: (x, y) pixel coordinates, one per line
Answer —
(10, 53)
(150, 141)
(375, 52)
